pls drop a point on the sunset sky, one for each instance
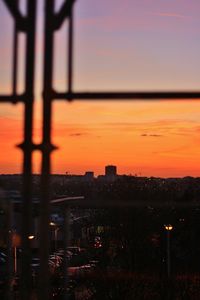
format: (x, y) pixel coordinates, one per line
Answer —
(119, 45)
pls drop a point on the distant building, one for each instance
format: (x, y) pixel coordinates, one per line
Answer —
(110, 171)
(89, 175)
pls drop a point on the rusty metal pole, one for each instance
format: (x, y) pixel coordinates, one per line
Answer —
(27, 148)
(15, 57)
(44, 288)
(70, 51)
(9, 293)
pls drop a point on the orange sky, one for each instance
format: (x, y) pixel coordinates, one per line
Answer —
(130, 45)
(160, 139)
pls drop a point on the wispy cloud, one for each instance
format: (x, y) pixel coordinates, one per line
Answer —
(151, 135)
(78, 134)
(169, 15)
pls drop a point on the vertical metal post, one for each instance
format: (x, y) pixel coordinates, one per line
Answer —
(55, 238)
(46, 151)
(9, 293)
(66, 238)
(70, 52)
(27, 150)
(15, 259)
(168, 255)
(55, 244)
(15, 56)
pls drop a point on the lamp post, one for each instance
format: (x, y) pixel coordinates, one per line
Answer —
(168, 228)
(55, 227)
(16, 243)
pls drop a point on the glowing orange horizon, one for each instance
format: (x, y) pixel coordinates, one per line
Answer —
(147, 139)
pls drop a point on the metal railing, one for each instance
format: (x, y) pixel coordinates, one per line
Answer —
(27, 25)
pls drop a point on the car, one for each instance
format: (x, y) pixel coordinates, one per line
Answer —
(3, 257)
(74, 249)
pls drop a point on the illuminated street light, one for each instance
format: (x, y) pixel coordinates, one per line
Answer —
(52, 224)
(31, 237)
(168, 227)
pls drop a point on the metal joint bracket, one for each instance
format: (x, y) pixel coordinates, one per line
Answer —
(65, 12)
(48, 147)
(21, 21)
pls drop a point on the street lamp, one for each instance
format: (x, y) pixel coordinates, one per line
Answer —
(52, 224)
(168, 228)
(55, 226)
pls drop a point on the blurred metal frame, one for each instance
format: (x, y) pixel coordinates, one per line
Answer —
(27, 25)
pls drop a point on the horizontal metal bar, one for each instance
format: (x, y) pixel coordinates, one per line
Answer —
(12, 98)
(41, 147)
(127, 95)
